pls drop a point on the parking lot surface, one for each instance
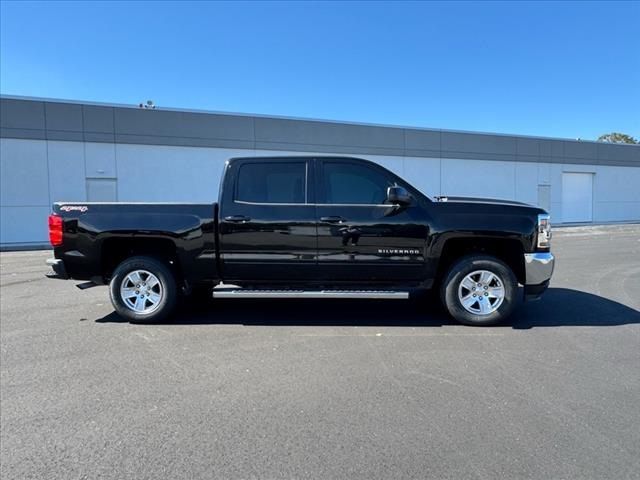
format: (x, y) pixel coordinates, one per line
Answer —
(327, 389)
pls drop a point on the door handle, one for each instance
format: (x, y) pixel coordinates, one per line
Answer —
(237, 219)
(333, 219)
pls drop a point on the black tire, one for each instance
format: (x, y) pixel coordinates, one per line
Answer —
(459, 270)
(167, 282)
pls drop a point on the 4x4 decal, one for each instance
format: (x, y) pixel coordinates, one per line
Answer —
(74, 208)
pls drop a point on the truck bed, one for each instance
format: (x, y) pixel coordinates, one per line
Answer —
(97, 235)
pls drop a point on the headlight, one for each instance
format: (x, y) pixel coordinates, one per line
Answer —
(544, 231)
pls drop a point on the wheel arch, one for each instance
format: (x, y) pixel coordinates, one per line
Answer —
(508, 250)
(116, 249)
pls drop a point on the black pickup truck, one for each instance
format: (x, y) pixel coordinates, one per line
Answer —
(308, 227)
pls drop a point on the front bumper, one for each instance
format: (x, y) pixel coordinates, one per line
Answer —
(538, 270)
(58, 269)
(534, 292)
(538, 267)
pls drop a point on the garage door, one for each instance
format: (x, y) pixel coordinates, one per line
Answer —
(577, 197)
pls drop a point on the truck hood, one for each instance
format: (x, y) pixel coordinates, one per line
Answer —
(486, 201)
(486, 214)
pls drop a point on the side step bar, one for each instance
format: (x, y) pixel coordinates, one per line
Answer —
(371, 294)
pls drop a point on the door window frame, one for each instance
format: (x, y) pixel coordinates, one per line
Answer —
(308, 183)
(314, 188)
(319, 184)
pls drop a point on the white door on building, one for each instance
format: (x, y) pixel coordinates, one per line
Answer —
(577, 197)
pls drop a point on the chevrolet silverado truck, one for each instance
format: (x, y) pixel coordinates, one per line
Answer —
(308, 227)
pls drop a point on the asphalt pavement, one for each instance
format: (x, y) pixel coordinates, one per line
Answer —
(326, 389)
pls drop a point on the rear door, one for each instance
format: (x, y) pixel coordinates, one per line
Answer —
(362, 238)
(267, 221)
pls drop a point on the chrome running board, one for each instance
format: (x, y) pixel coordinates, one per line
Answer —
(371, 294)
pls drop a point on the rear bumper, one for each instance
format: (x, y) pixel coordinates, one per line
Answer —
(58, 269)
(538, 267)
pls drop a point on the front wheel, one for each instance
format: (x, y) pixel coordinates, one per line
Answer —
(479, 290)
(143, 290)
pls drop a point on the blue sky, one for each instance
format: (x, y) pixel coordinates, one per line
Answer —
(552, 69)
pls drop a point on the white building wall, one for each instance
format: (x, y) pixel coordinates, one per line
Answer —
(24, 191)
(616, 194)
(36, 173)
(67, 175)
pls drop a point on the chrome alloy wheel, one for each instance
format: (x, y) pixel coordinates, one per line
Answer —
(141, 291)
(481, 292)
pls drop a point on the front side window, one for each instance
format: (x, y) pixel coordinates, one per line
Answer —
(270, 182)
(348, 183)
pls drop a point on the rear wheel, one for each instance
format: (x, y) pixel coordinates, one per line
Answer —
(479, 290)
(143, 289)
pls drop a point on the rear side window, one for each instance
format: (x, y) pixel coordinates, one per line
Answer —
(270, 182)
(348, 183)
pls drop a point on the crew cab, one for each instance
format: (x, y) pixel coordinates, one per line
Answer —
(308, 227)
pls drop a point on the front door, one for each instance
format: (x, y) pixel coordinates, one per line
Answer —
(361, 237)
(267, 221)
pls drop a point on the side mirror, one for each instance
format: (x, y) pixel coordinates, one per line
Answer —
(398, 196)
